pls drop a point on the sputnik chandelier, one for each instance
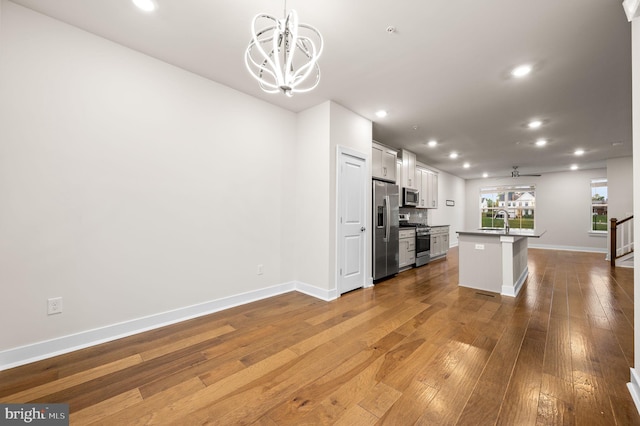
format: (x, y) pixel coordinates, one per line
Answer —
(283, 56)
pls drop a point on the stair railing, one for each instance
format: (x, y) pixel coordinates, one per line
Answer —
(621, 238)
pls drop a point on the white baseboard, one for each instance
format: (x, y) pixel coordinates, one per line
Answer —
(568, 248)
(15, 357)
(634, 388)
(318, 293)
(513, 290)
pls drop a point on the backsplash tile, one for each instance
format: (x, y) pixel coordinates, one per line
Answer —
(415, 215)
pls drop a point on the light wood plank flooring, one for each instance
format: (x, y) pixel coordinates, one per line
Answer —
(415, 349)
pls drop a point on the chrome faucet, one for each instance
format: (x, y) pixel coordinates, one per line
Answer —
(506, 220)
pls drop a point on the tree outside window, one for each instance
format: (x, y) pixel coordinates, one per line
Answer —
(518, 201)
(599, 205)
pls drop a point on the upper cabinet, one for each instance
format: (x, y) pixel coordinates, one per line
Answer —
(383, 162)
(409, 170)
(427, 181)
(432, 198)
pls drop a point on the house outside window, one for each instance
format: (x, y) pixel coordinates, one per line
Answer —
(599, 205)
(518, 201)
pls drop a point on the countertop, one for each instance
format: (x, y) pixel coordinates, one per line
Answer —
(437, 226)
(531, 233)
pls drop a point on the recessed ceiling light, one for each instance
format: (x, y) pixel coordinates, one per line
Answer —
(521, 71)
(432, 143)
(485, 175)
(453, 155)
(146, 5)
(466, 165)
(541, 142)
(534, 124)
(382, 113)
(574, 167)
(579, 151)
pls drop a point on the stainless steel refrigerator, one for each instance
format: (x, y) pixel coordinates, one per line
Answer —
(385, 229)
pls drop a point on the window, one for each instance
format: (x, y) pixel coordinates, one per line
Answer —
(519, 203)
(599, 205)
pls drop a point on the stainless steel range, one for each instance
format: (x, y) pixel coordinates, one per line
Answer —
(423, 241)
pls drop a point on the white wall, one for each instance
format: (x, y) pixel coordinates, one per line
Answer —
(129, 187)
(635, 61)
(321, 130)
(450, 187)
(563, 203)
(355, 132)
(620, 187)
(311, 211)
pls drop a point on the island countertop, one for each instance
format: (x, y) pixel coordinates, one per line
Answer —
(500, 232)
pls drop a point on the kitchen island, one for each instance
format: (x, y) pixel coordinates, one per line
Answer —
(494, 259)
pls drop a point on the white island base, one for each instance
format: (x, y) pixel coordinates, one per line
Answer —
(493, 261)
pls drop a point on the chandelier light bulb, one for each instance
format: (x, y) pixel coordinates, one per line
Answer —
(283, 55)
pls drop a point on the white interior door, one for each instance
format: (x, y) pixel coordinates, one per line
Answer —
(352, 184)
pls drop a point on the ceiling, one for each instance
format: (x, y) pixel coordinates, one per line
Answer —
(444, 73)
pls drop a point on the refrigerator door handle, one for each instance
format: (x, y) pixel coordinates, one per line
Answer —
(384, 218)
(387, 231)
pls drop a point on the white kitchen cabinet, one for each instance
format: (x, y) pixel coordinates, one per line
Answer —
(422, 179)
(407, 247)
(399, 180)
(432, 196)
(428, 187)
(409, 170)
(439, 241)
(383, 162)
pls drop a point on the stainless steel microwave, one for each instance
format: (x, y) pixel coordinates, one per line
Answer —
(410, 197)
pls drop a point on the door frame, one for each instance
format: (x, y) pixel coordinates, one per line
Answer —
(366, 185)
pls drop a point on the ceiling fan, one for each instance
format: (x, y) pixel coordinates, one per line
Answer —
(515, 173)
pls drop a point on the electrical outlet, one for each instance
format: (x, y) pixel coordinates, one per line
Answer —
(479, 246)
(54, 306)
(260, 269)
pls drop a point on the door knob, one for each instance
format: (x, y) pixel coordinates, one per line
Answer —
(363, 229)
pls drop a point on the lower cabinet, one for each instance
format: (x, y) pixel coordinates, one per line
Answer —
(407, 251)
(439, 241)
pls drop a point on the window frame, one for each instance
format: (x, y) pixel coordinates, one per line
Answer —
(510, 204)
(591, 206)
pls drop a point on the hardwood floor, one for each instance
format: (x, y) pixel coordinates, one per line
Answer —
(415, 349)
